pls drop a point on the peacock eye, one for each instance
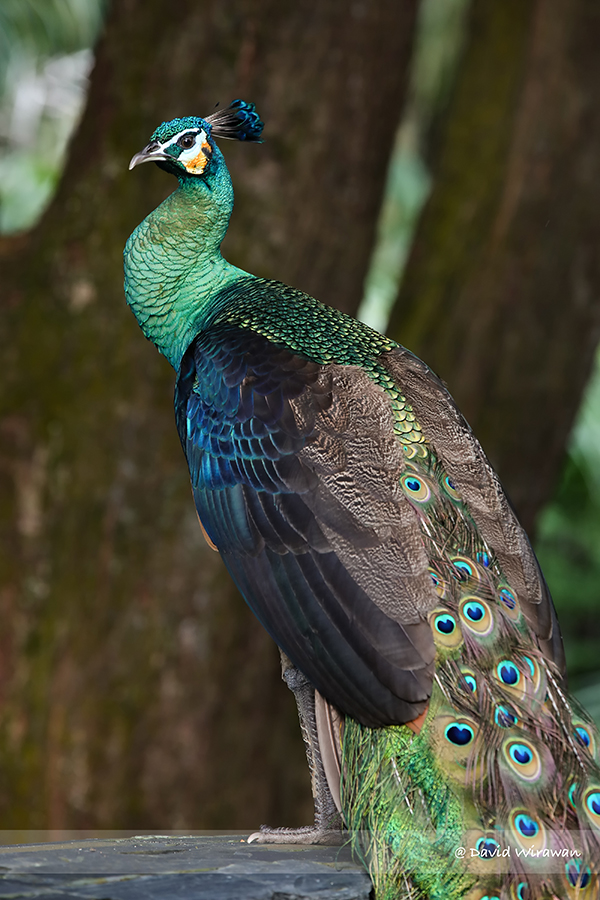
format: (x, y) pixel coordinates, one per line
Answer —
(187, 141)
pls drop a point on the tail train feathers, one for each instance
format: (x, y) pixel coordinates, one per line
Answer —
(505, 765)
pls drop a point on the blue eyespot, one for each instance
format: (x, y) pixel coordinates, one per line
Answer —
(527, 826)
(435, 578)
(508, 598)
(572, 870)
(520, 754)
(474, 611)
(575, 876)
(470, 683)
(484, 559)
(523, 886)
(583, 736)
(487, 848)
(476, 615)
(459, 734)
(451, 488)
(416, 488)
(504, 717)
(593, 803)
(524, 758)
(508, 673)
(445, 624)
(464, 569)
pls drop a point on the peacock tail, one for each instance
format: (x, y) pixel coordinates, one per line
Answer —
(505, 766)
(365, 528)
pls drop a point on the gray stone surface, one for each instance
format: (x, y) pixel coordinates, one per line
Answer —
(207, 867)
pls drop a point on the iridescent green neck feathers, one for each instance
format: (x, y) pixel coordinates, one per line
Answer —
(173, 261)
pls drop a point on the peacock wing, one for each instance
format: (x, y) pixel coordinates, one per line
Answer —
(296, 471)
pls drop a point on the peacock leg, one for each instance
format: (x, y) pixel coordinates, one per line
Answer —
(318, 723)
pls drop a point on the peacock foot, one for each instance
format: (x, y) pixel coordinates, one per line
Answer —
(308, 834)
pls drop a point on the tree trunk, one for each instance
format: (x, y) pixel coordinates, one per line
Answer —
(136, 689)
(501, 291)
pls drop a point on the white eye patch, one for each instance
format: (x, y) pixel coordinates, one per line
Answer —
(196, 157)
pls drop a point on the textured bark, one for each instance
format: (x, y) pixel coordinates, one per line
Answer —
(136, 689)
(501, 292)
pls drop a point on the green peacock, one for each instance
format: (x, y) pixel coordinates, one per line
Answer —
(363, 524)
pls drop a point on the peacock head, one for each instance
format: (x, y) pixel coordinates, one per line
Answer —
(186, 148)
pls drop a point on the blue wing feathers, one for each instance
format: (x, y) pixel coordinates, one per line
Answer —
(260, 502)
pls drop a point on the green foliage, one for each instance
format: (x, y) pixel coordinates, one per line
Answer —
(45, 28)
(45, 57)
(406, 190)
(439, 39)
(28, 177)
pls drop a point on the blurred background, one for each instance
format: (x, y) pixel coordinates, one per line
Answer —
(433, 167)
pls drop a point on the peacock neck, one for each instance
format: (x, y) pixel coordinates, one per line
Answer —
(174, 269)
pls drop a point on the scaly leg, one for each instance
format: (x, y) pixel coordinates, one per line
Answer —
(327, 828)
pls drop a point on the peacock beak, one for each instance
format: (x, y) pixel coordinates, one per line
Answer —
(153, 152)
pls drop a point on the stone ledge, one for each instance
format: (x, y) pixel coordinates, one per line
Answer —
(164, 867)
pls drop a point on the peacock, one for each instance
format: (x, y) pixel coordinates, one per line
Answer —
(364, 526)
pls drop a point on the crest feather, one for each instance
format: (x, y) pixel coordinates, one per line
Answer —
(237, 122)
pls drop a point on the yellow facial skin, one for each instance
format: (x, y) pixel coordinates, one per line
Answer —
(197, 165)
